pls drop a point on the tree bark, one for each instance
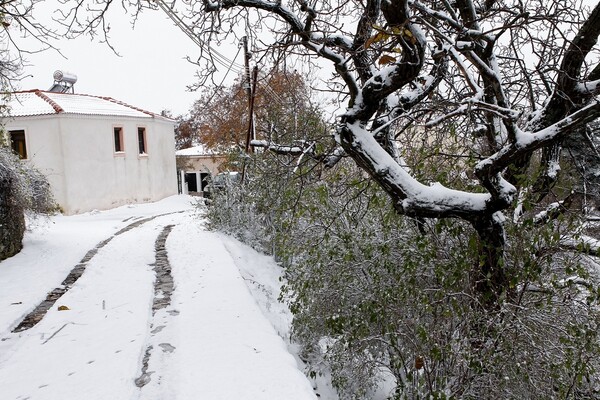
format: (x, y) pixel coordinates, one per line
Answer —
(490, 278)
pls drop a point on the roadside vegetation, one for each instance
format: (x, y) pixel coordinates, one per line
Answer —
(23, 190)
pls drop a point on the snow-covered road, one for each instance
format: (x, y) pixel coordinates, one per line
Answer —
(212, 338)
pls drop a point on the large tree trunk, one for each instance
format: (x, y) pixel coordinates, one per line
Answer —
(12, 221)
(490, 278)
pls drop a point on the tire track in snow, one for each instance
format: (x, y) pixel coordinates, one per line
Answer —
(35, 316)
(163, 289)
(96, 347)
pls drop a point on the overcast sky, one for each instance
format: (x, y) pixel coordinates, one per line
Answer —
(152, 72)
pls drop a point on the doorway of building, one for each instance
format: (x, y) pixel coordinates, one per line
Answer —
(192, 183)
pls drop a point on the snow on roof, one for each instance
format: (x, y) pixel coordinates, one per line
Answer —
(39, 102)
(199, 150)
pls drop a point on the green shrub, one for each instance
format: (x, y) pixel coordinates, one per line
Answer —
(380, 296)
(23, 189)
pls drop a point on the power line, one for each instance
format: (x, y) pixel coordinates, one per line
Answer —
(214, 55)
(217, 57)
(223, 80)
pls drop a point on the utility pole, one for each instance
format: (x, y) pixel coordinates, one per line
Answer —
(247, 57)
(250, 88)
(251, 134)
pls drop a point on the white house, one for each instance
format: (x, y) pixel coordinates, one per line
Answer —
(97, 152)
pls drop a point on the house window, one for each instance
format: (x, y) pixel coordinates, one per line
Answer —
(118, 134)
(17, 142)
(142, 140)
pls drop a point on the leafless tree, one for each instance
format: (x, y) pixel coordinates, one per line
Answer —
(509, 79)
(21, 34)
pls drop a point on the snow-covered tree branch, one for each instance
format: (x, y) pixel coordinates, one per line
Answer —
(460, 112)
(508, 79)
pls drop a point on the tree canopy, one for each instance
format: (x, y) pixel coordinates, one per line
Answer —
(283, 112)
(505, 79)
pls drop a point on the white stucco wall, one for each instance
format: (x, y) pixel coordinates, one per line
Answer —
(44, 149)
(77, 154)
(209, 164)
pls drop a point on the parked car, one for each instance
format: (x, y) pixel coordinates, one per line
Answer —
(220, 182)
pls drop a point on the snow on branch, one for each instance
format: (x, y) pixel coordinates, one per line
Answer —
(584, 244)
(588, 88)
(528, 142)
(553, 211)
(451, 20)
(332, 159)
(277, 148)
(414, 198)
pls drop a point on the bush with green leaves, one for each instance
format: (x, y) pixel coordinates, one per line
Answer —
(258, 210)
(380, 296)
(23, 189)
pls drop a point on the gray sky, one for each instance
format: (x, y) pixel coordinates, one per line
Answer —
(152, 72)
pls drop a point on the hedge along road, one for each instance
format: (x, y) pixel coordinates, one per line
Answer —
(159, 310)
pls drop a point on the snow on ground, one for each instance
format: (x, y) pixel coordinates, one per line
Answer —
(215, 340)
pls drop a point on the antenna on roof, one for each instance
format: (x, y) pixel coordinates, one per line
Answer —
(64, 82)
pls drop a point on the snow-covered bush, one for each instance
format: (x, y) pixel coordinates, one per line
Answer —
(23, 189)
(383, 295)
(231, 213)
(377, 295)
(255, 211)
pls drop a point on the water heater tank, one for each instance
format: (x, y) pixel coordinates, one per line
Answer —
(68, 77)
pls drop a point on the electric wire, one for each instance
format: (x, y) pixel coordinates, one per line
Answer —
(219, 58)
(222, 80)
(215, 55)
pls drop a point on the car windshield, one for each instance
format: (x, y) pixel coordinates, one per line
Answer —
(225, 177)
